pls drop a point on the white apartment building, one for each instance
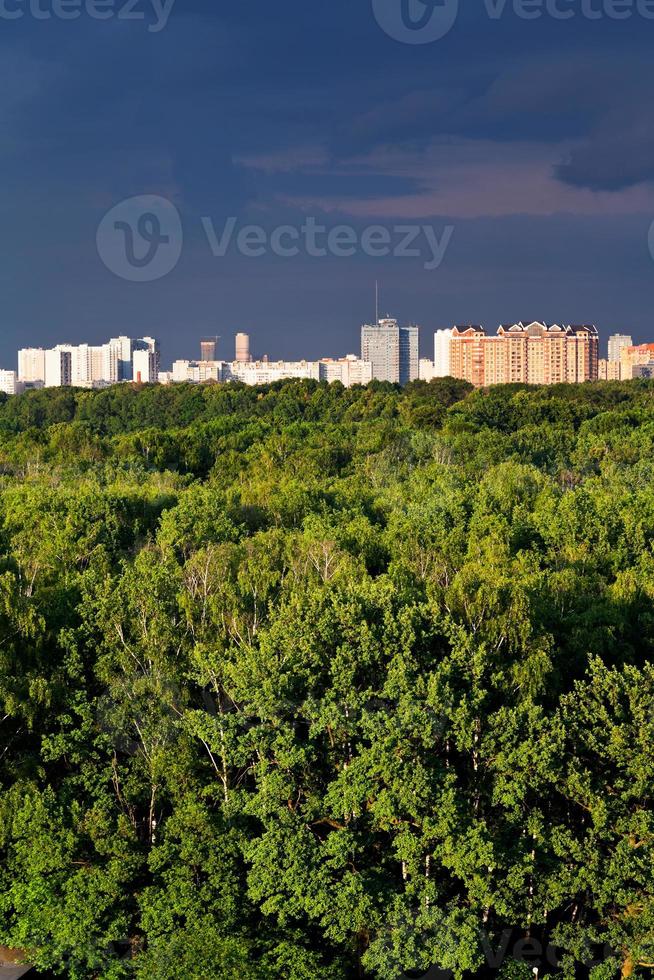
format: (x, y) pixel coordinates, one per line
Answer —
(426, 369)
(442, 353)
(31, 364)
(196, 372)
(88, 366)
(265, 372)
(349, 370)
(58, 366)
(145, 367)
(9, 383)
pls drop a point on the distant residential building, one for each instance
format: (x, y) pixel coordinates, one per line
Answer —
(409, 354)
(208, 349)
(530, 353)
(609, 370)
(426, 369)
(243, 348)
(58, 367)
(117, 359)
(265, 372)
(152, 346)
(442, 353)
(145, 366)
(88, 366)
(196, 372)
(349, 370)
(643, 370)
(392, 350)
(31, 364)
(631, 357)
(616, 343)
(467, 354)
(9, 383)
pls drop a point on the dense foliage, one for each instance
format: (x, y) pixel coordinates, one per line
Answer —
(306, 683)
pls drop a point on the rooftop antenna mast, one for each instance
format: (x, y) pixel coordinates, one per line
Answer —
(376, 302)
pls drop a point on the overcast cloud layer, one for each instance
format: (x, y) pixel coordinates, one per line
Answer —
(532, 138)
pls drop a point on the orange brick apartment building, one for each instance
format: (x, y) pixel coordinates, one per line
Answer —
(534, 353)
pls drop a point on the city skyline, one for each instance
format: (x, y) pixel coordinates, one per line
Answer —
(530, 352)
(225, 341)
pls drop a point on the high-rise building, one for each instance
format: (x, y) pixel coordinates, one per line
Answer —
(380, 345)
(242, 348)
(409, 354)
(152, 346)
(392, 350)
(88, 366)
(208, 348)
(118, 359)
(145, 366)
(58, 366)
(616, 342)
(528, 353)
(442, 356)
(467, 353)
(31, 364)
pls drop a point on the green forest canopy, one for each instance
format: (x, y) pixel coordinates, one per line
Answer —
(315, 683)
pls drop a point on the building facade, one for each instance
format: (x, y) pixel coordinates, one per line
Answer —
(609, 370)
(209, 349)
(467, 354)
(197, 372)
(616, 342)
(242, 346)
(392, 351)
(632, 357)
(426, 369)
(350, 370)
(266, 372)
(526, 353)
(31, 364)
(58, 367)
(145, 366)
(442, 363)
(9, 383)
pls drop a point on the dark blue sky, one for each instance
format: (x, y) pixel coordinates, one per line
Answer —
(531, 138)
